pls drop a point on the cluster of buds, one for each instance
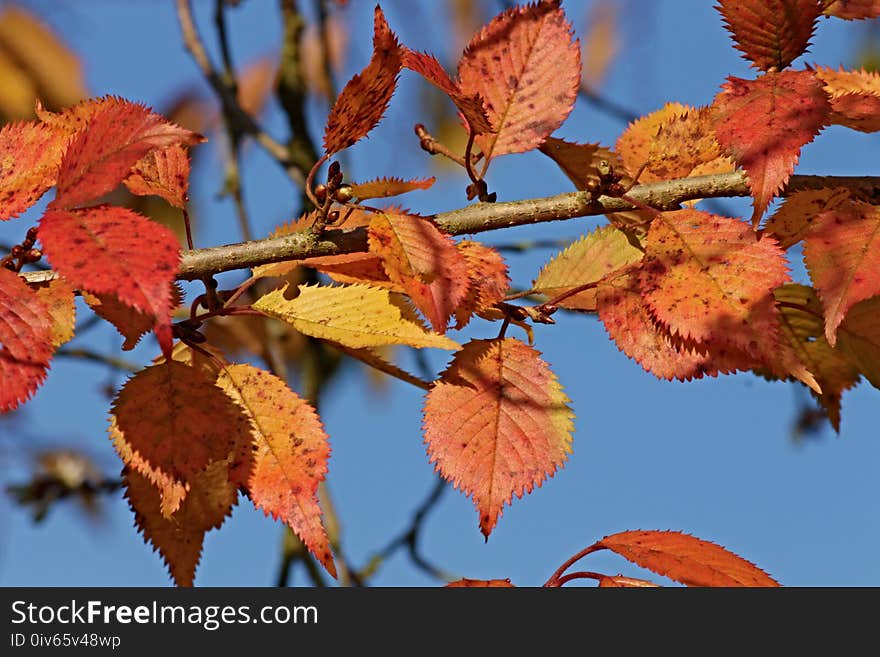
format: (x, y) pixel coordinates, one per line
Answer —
(609, 182)
(22, 254)
(333, 191)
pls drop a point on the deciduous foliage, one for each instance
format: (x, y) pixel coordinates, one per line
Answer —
(683, 291)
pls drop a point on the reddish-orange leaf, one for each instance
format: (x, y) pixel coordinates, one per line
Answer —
(853, 9)
(489, 282)
(795, 217)
(707, 278)
(72, 119)
(113, 250)
(59, 299)
(131, 323)
(527, 68)
(364, 268)
(386, 187)
(762, 124)
(30, 154)
(176, 418)
(100, 156)
(580, 162)
(179, 538)
(25, 340)
(480, 584)
(855, 98)
(497, 424)
(289, 457)
(469, 106)
(771, 33)
(417, 256)
(842, 254)
(634, 145)
(684, 143)
(162, 173)
(686, 559)
(362, 103)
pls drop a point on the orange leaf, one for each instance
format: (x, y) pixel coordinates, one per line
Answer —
(362, 103)
(469, 106)
(634, 145)
(112, 250)
(762, 124)
(175, 417)
(621, 582)
(855, 98)
(794, 219)
(30, 154)
(686, 559)
(853, 9)
(424, 261)
(771, 33)
(100, 156)
(364, 268)
(580, 162)
(59, 299)
(489, 282)
(684, 143)
(289, 457)
(131, 323)
(842, 254)
(526, 67)
(179, 538)
(26, 340)
(385, 187)
(480, 584)
(497, 424)
(162, 173)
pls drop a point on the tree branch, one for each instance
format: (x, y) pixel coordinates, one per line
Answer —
(481, 217)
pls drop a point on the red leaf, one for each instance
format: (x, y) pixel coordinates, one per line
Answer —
(771, 33)
(112, 250)
(842, 254)
(101, 155)
(480, 584)
(762, 124)
(686, 559)
(497, 424)
(855, 98)
(30, 154)
(25, 338)
(853, 9)
(424, 261)
(362, 103)
(526, 67)
(162, 173)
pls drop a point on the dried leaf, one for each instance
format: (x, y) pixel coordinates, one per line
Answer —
(762, 124)
(386, 187)
(581, 162)
(353, 315)
(30, 154)
(526, 67)
(362, 103)
(842, 254)
(497, 424)
(853, 9)
(683, 143)
(179, 538)
(162, 173)
(588, 260)
(112, 250)
(686, 559)
(424, 261)
(480, 584)
(855, 98)
(794, 219)
(489, 282)
(634, 145)
(290, 453)
(771, 33)
(26, 338)
(860, 338)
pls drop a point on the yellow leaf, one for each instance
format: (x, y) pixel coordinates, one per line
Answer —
(352, 315)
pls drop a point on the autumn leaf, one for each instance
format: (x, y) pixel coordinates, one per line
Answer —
(842, 254)
(853, 9)
(290, 453)
(497, 424)
(480, 584)
(424, 261)
(855, 98)
(112, 250)
(585, 261)
(26, 338)
(635, 143)
(386, 187)
(771, 33)
(795, 217)
(526, 67)
(100, 156)
(762, 124)
(685, 144)
(488, 280)
(175, 417)
(686, 559)
(162, 173)
(179, 538)
(600, 43)
(353, 315)
(130, 323)
(581, 162)
(30, 154)
(802, 324)
(860, 338)
(620, 582)
(363, 101)
(59, 299)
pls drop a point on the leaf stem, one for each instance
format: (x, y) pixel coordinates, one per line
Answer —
(555, 577)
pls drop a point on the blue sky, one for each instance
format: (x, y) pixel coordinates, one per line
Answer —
(713, 458)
